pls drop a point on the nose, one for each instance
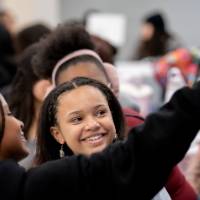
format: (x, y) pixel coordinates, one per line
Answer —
(92, 124)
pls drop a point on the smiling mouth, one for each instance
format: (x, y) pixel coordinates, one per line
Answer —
(22, 136)
(95, 138)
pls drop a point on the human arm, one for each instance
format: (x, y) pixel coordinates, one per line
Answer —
(141, 163)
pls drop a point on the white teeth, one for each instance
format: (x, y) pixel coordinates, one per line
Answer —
(22, 136)
(22, 133)
(93, 138)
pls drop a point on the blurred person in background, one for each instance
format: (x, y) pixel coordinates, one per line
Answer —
(155, 40)
(106, 50)
(30, 34)
(7, 19)
(7, 58)
(25, 98)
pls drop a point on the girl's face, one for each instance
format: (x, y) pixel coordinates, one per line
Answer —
(13, 144)
(84, 121)
(84, 69)
(147, 31)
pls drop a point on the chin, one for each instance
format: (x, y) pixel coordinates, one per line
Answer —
(98, 149)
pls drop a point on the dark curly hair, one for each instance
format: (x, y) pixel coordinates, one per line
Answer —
(31, 34)
(65, 39)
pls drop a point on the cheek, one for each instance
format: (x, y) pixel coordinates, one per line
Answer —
(109, 125)
(11, 142)
(72, 134)
(113, 130)
(147, 33)
(15, 138)
(12, 132)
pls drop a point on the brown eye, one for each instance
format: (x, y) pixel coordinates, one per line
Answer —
(101, 113)
(76, 120)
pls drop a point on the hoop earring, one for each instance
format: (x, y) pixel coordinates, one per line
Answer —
(61, 152)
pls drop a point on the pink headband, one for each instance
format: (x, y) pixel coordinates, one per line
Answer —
(70, 56)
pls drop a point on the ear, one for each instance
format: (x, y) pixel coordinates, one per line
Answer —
(40, 88)
(56, 133)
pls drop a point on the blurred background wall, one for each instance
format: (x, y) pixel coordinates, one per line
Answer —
(182, 16)
(32, 11)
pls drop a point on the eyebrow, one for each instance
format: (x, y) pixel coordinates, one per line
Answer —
(78, 112)
(73, 113)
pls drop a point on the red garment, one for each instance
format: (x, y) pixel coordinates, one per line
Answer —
(177, 186)
(132, 118)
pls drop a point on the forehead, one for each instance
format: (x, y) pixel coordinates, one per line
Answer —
(82, 96)
(147, 27)
(84, 69)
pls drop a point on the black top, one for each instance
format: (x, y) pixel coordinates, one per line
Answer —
(11, 180)
(137, 168)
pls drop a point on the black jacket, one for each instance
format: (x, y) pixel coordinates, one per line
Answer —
(137, 168)
(12, 177)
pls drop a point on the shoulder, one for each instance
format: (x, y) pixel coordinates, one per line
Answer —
(10, 168)
(11, 181)
(52, 178)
